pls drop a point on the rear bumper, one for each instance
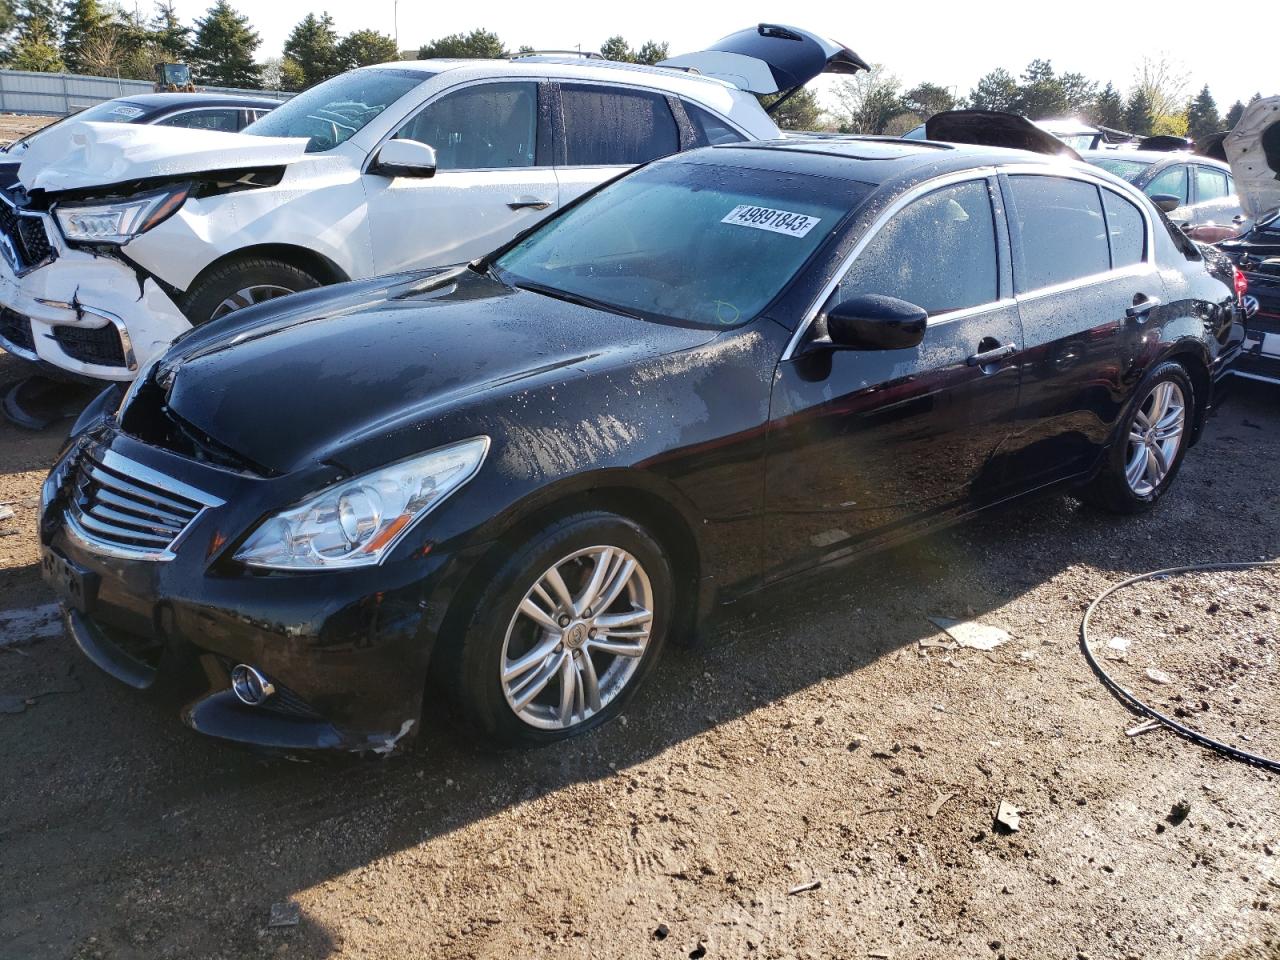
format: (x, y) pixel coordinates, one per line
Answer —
(93, 316)
(1260, 359)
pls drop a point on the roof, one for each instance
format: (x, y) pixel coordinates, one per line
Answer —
(536, 64)
(158, 100)
(872, 159)
(1153, 156)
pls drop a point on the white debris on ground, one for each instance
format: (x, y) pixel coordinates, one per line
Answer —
(969, 633)
(19, 627)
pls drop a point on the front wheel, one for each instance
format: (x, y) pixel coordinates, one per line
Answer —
(1148, 450)
(242, 283)
(566, 631)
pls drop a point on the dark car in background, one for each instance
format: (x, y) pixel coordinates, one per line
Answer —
(200, 111)
(512, 482)
(1197, 193)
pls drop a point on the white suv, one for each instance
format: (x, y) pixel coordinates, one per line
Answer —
(116, 239)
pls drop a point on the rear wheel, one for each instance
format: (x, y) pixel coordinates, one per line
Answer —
(1148, 450)
(242, 283)
(566, 631)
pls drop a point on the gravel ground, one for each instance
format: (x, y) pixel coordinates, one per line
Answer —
(826, 740)
(15, 125)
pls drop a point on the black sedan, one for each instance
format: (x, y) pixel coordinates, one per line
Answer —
(511, 483)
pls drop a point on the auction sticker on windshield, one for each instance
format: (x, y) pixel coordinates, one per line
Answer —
(776, 221)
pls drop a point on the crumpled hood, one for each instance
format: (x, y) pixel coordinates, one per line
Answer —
(1253, 150)
(381, 360)
(77, 155)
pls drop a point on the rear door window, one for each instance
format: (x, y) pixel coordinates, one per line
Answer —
(1170, 183)
(609, 126)
(939, 252)
(1061, 233)
(484, 127)
(225, 119)
(1210, 184)
(1127, 230)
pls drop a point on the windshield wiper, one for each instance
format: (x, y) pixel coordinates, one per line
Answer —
(569, 297)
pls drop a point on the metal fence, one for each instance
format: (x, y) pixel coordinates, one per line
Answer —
(58, 94)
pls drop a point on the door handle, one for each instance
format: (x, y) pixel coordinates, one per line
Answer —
(1141, 308)
(529, 203)
(994, 355)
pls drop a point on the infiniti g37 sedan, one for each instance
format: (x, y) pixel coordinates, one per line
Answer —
(511, 483)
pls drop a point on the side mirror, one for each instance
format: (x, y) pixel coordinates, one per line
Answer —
(875, 322)
(1166, 202)
(404, 158)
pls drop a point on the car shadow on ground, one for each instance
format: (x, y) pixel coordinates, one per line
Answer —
(104, 790)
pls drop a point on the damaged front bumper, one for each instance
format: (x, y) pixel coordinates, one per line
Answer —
(345, 652)
(90, 314)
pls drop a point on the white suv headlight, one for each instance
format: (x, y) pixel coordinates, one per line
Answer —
(356, 523)
(118, 222)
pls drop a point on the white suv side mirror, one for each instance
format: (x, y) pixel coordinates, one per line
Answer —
(404, 158)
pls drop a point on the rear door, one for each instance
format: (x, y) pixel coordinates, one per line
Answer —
(494, 177)
(869, 446)
(605, 130)
(1086, 287)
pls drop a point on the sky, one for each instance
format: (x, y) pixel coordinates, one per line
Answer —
(949, 43)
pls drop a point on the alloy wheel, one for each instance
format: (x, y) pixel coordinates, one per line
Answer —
(248, 296)
(577, 638)
(1155, 437)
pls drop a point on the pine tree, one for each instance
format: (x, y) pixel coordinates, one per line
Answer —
(996, 91)
(1041, 93)
(169, 33)
(1138, 113)
(365, 47)
(1234, 115)
(651, 52)
(313, 46)
(1202, 115)
(85, 21)
(801, 111)
(35, 46)
(616, 48)
(222, 54)
(1108, 108)
(478, 45)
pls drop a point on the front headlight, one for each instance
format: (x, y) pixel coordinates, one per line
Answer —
(357, 522)
(118, 222)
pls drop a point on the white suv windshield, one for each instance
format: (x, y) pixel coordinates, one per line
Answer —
(332, 112)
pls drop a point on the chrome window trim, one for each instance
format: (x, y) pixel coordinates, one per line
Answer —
(132, 468)
(928, 186)
(1135, 269)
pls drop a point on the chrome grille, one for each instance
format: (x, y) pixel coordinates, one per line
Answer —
(23, 238)
(122, 508)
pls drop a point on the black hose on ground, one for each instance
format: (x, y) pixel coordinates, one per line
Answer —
(1130, 699)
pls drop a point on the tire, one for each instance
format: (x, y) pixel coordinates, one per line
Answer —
(500, 638)
(221, 290)
(1115, 488)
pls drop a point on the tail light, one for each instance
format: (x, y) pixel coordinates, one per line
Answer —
(1241, 283)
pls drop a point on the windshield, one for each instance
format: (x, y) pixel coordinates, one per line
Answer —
(692, 242)
(332, 112)
(1129, 170)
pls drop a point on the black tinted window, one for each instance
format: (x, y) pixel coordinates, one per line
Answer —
(1063, 236)
(1127, 229)
(611, 127)
(938, 253)
(482, 127)
(227, 120)
(710, 129)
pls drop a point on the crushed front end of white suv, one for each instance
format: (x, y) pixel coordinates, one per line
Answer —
(115, 239)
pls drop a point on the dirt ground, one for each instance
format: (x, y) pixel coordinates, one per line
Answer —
(824, 736)
(15, 125)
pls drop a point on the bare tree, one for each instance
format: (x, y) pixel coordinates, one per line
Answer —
(869, 100)
(1164, 80)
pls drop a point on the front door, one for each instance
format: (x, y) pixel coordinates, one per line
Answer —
(492, 181)
(869, 446)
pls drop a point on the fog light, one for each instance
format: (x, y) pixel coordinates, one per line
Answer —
(249, 685)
